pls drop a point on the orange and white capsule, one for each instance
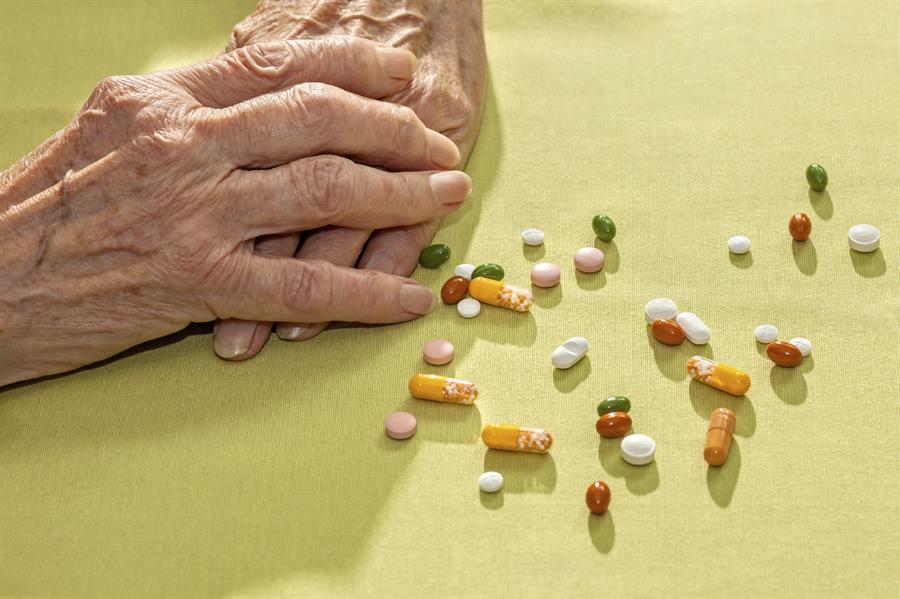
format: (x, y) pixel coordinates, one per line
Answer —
(497, 293)
(512, 437)
(441, 388)
(721, 376)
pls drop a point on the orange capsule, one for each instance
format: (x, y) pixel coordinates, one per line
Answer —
(784, 354)
(441, 388)
(512, 437)
(667, 331)
(597, 497)
(718, 436)
(721, 376)
(800, 226)
(613, 425)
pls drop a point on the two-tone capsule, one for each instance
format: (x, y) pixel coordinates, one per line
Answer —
(721, 376)
(512, 437)
(498, 293)
(441, 388)
(718, 436)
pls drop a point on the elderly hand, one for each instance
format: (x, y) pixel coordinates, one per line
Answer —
(447, 93)
(139, 217)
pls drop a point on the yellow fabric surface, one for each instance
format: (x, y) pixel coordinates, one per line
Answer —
(170, 472)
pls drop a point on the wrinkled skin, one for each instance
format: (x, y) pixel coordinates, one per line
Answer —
(447, 93)
(140, 216)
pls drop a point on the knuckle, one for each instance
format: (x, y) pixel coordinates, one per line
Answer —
(313, 109)
(408, 129)
(114, 94)
(269, 60)
(327, 181)
(308, 287)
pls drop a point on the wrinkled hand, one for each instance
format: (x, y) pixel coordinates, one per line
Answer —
(447, 93)
(139, 217)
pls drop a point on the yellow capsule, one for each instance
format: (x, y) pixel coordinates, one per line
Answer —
(512, 437)
(496, 293)
(441, 388)
(721, 376)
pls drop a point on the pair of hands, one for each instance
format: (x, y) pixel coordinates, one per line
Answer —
(141, 216)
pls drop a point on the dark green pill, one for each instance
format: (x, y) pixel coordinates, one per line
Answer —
(434, 255)
(816, 177)
(489, 271)
(604, 227)
(613, 404)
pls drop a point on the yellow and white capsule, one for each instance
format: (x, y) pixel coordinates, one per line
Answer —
(512, 437)
(496, 293)
(721, 376)
(441, 388)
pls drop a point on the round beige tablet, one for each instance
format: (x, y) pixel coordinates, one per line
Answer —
(437, 352)
(400, 425)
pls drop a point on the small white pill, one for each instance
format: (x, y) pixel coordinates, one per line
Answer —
(803, 344)
(464, 270)
(660, 308)
(864, 238)
(694, 329)
(469, 308)
(637, 450)
(533, 236)
(569, 353)
(490, 482)
(739, 244)
(766, 333)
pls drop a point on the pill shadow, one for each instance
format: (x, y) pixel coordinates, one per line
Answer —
(741, 260)
(804, 253)
(610, 255)
(722, 480)
(821, 203)
(808, 364)
(789, 384)
(522, 472)
(492, 501)
(533, 253)
(444, 422)
(568, 379)
(499, 325)
(547, 297)
(640, 480)
(705, 399)
(590, 281)
(602, 530)
(672, 359)
(868, 265)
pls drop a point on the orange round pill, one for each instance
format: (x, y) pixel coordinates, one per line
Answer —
(613, 425)
(784, 354)
(800, 226)
(597, 497)
(668, 332)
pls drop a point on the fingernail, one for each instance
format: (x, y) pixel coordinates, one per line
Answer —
(416, 299)
(289, 333)
(397, 63)
(451, 187)
(441, 150)
(233, 338)
(381, 262)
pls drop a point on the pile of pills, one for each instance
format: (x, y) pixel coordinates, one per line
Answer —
(787, 354)
(671, 327)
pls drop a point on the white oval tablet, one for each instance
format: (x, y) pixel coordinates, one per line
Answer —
(766, 333)
(638, 450)
(864, 238)
(464, 270)
(660, 308)
(739, 244)
(469, 308)
(533, 236)
(803, 344)
(490, 482)
(694, 329)
(568, 354)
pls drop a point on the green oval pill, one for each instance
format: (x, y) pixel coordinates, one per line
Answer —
(489, 270)
(816, 177)
(613, 404)
(604, 227)
(434, 255)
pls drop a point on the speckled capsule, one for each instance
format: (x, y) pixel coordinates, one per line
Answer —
(441, 388)
(497, 293)
(784, 354)
(613, 425)
(720, 376)
(512, 437)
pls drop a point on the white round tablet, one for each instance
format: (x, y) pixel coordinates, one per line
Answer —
(803, 344)
(864, 238)
(660, 308)
(490, 482)
(533, 236)
(766, 333)
(469, 308)
(739, 244)
(637, 450)
(464, 270)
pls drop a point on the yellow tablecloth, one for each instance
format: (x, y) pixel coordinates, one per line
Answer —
(170, 472)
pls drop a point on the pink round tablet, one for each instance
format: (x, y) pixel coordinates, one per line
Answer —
(438, 351)
(400, 425)
(545, 274)
(589, 259)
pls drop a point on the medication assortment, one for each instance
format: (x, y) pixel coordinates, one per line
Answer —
(668, 325)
